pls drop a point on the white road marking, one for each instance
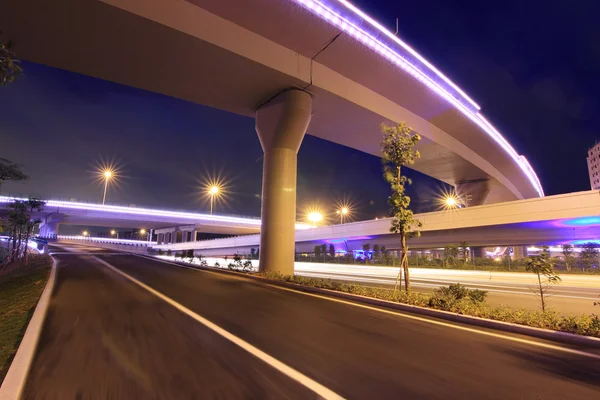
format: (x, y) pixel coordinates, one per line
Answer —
(290, 372)
(408, 316)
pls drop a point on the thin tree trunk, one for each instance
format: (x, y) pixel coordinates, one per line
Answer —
(541, 293)
(405, 263)
(25, 251)
(14, 244)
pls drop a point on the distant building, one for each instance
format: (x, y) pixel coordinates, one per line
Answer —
(593, 161)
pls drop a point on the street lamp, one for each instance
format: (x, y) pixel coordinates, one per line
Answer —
(85, 233)
(451, 202)
(144, 233)
(107, 176)
(342, 212)
(212, 192)
(113, 232)
(315, 217)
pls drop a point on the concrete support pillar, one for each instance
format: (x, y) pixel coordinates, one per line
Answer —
(49, 227)
(280, 125)
(473, 193)
(519, 252)
(479, 252)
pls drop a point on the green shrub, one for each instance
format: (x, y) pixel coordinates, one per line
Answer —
(456, 297)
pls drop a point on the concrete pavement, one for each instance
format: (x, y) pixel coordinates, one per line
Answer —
(107, 337)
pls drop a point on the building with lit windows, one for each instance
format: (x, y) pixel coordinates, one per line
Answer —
(593, 161)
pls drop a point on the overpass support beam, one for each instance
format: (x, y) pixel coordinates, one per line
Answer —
(280, 124)
(519, 252)
(473, 193)
(49, 226)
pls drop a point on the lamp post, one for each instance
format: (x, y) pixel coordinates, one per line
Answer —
(315, 217)
(108, 174)
(213, 191)
(342, 213)
(113, 232)
(85, 234)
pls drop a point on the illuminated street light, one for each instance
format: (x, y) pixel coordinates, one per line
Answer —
(315, 217)
(113, 232)
(451, 202)
(108, 175)
(85, 233)
(342, 213)
(213, 191)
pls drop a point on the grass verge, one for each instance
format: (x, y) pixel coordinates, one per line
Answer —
(461, 301)
(20, 290)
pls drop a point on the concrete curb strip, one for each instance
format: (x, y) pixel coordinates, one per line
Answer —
(14, 382)
(545, 334)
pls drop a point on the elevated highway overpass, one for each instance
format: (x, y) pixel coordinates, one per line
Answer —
(298, 66)
(569, 218)
(57, 212)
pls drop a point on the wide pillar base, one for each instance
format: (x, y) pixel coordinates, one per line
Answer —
(280, 125)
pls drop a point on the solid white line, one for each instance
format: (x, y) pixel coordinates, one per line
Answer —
(413, 317)
(290, 372)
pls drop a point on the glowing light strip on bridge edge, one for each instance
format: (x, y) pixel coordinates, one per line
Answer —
(147, 212)
(472, 112)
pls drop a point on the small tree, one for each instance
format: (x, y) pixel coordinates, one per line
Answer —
(588, 258)
(253, 253)
(450, 254)
(376, 250)
(332, 250)
(464, 251)
(567, 250)
(317, 251)
(384, 254)
(541, 265)
(398, 150)
(10, 171)
(323, 249)
(366, 248)
(10, 67)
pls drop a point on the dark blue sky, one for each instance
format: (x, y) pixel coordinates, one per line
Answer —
(532, 67)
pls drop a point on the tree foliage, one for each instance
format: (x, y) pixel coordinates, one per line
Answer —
(10, 66)
(588, 258)
(10, 171)
(567, 250)
(542, 265)
(19, 224)
(398, 150)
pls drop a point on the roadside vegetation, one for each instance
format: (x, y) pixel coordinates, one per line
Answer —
(455, 298)
(461, 300)
(20, 290)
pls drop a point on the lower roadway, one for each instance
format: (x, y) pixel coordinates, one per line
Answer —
(180, 333)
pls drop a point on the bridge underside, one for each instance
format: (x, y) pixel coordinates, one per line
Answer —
(239, 55)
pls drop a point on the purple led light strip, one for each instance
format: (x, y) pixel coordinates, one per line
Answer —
(148, 212)
(317, 7)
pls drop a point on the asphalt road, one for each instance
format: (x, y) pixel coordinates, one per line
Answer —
(107, 337)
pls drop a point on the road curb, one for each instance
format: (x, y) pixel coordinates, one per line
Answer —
(14, 382)
(545, 334)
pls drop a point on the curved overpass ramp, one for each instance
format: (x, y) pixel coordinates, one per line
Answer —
(237, 54)
(243, 56)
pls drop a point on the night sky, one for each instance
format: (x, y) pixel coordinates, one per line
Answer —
(533, 67)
